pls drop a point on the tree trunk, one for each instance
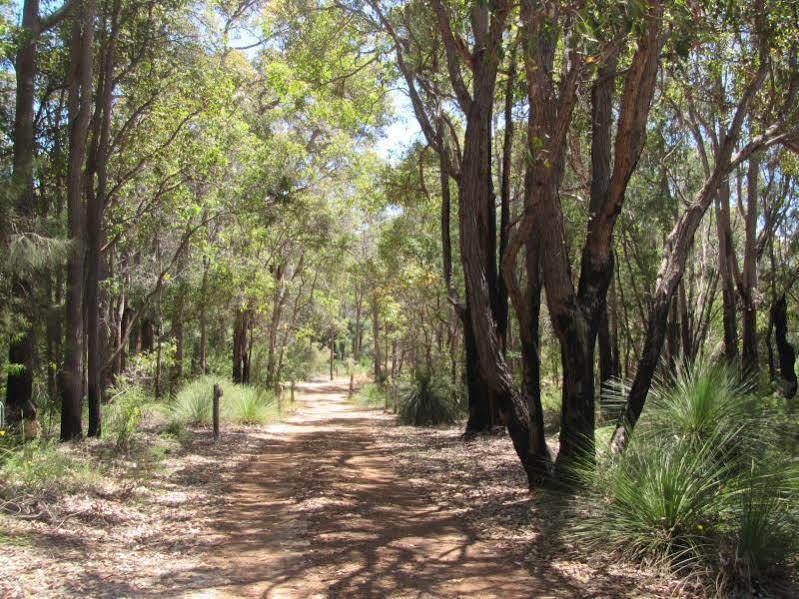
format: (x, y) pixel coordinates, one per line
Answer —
(240, 327)
(80, 96)
(685, 326)
(785, 351)
(501, 309)
(177, 332)
(483, 409)
(726, 259)
(749, 358)
(159, 341)
(675, 254)
(278, 302)
(22, 345)
(332, 354)
(529, 335)
(483, 415)
(772, 370)
(95, 209)
(147, 335)
(356, 336)
(378, 372)
(203, 317)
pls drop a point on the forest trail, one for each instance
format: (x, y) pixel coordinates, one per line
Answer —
(323, 512)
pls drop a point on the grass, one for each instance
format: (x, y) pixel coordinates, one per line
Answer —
(43, 468)
(371, 395)
(705, 487)
(241, 404)
(430, 400)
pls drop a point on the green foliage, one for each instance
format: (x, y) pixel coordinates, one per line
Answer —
(371, 395)
(430, 400)
(192, 405)
(43, 468)
(249, 405)
(123, 415)
(702, 487)
(242, 404)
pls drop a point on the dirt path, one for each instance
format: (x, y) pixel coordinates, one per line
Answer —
(322, 511)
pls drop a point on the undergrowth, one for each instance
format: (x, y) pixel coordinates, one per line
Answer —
(371, 395)
(42, 468)
(706, 487)
(430, 400)
(241, 404)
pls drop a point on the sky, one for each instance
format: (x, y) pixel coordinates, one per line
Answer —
(403, 132)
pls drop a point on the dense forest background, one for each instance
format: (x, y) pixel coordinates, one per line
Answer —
(600, 197)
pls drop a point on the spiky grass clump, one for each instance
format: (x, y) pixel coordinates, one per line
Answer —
(192, 405)
(249, 405)
(429, 400)
(242, 404)
(702, 487)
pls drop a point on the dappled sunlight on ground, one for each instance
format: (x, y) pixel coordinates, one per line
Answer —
(335, 501)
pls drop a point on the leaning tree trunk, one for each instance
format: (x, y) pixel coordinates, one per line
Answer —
(675, 254)
(475, 197)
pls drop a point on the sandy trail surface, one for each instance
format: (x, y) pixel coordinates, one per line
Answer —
(322, 511)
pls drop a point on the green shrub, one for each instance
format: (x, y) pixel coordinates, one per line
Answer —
(243, 404)
(429, 400)
(192, 405)
(43, 468)
(371, 395)
(123, 414)
(248, 405)
(703, 486)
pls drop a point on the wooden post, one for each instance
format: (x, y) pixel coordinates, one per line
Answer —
(217, 395)
(292, 391)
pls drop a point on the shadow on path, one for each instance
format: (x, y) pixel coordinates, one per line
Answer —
(322, 512)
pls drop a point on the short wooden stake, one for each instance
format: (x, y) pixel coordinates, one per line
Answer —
(217, 395)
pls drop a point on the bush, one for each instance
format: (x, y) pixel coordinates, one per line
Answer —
(702, 487)
(192, 404)
(123, 414)
(371, 395)
(430, 401)
(43, 468)
(242, 404)
(248, 405)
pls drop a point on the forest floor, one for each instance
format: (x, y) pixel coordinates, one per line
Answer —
(335, 501)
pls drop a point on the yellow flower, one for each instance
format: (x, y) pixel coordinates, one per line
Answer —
(700, 527)
(2, 433)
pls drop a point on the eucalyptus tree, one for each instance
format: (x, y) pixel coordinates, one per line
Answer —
(762, 113)
(19, 385)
